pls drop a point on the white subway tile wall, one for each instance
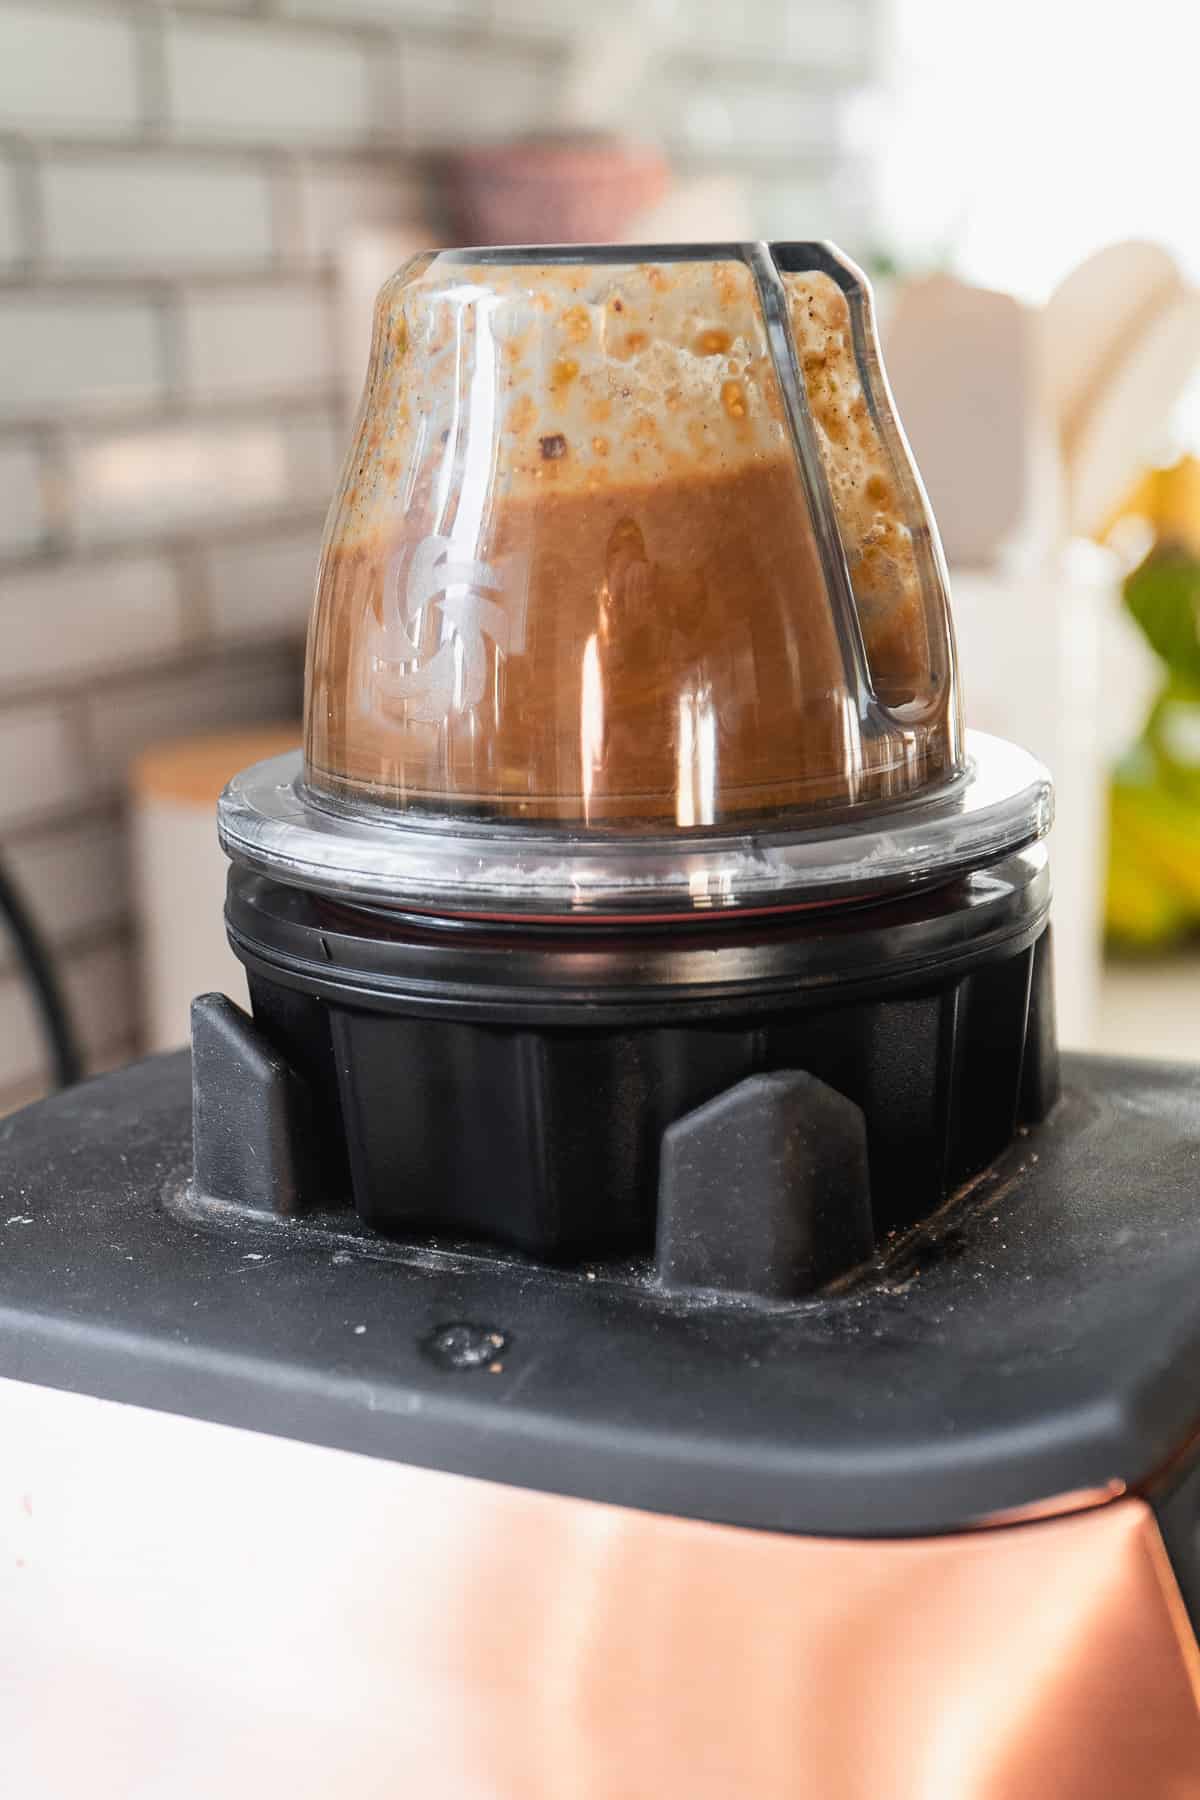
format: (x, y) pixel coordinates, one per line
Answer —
(174, 184)
(66, 621)
(42, 768)
(255, 340)
(315, 444)
(334, 197)
(254, 588)
(432, 95)
(542, 18)
(819, 34)
(159, 480)
(68, 70)
(155, 211)
(71, 354)
(261, 84)
(124, 717)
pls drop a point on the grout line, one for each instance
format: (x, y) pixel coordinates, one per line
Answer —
(344, 409)
(179, 660)
(56, 489)
(220, 530)
(383, 104)
(78, 720)
(27, 194)
(219, 410)
(78, 684)
(231, 155)
(195, 598)
(216, 659)
(748, 163)
(261, 15)
(172, 346)
(85, 147)
(284, 205)
(268, 659)
(268, 656)
(152, 74)
(108, 8)
(145, 283)
(784, 67)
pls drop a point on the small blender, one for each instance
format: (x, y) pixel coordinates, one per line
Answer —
(638, 1277)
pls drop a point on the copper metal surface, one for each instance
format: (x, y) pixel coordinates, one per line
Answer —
(191, 1610)
(1044, 1663)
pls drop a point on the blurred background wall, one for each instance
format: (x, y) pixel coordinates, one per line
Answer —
(174, 183)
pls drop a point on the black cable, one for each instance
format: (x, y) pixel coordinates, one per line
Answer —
(48, 996)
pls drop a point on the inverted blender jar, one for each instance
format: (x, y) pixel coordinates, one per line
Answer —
(631, 619)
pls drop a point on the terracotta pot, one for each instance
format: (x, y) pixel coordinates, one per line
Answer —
(553, 190)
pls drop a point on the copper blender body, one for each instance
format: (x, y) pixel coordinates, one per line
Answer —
(603, 1653)
(493, 1643)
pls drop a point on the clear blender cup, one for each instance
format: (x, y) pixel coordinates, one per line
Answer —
(630, 600)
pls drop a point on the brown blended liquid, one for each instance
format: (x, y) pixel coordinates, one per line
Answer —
(679, 663)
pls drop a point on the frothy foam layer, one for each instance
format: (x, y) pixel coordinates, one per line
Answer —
(592, 377)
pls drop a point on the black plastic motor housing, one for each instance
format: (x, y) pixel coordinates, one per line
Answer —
(513, 1083)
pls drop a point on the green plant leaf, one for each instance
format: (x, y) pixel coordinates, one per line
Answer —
(1163, 595)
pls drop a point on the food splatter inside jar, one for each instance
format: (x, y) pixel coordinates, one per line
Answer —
(571, 573)
(864, 485)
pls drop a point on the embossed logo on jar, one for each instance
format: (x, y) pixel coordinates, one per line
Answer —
(476, 601)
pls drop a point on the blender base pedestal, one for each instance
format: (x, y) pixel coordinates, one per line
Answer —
(514, 1083)
(763, 1191)
(251, 1116)
(766, 1190)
